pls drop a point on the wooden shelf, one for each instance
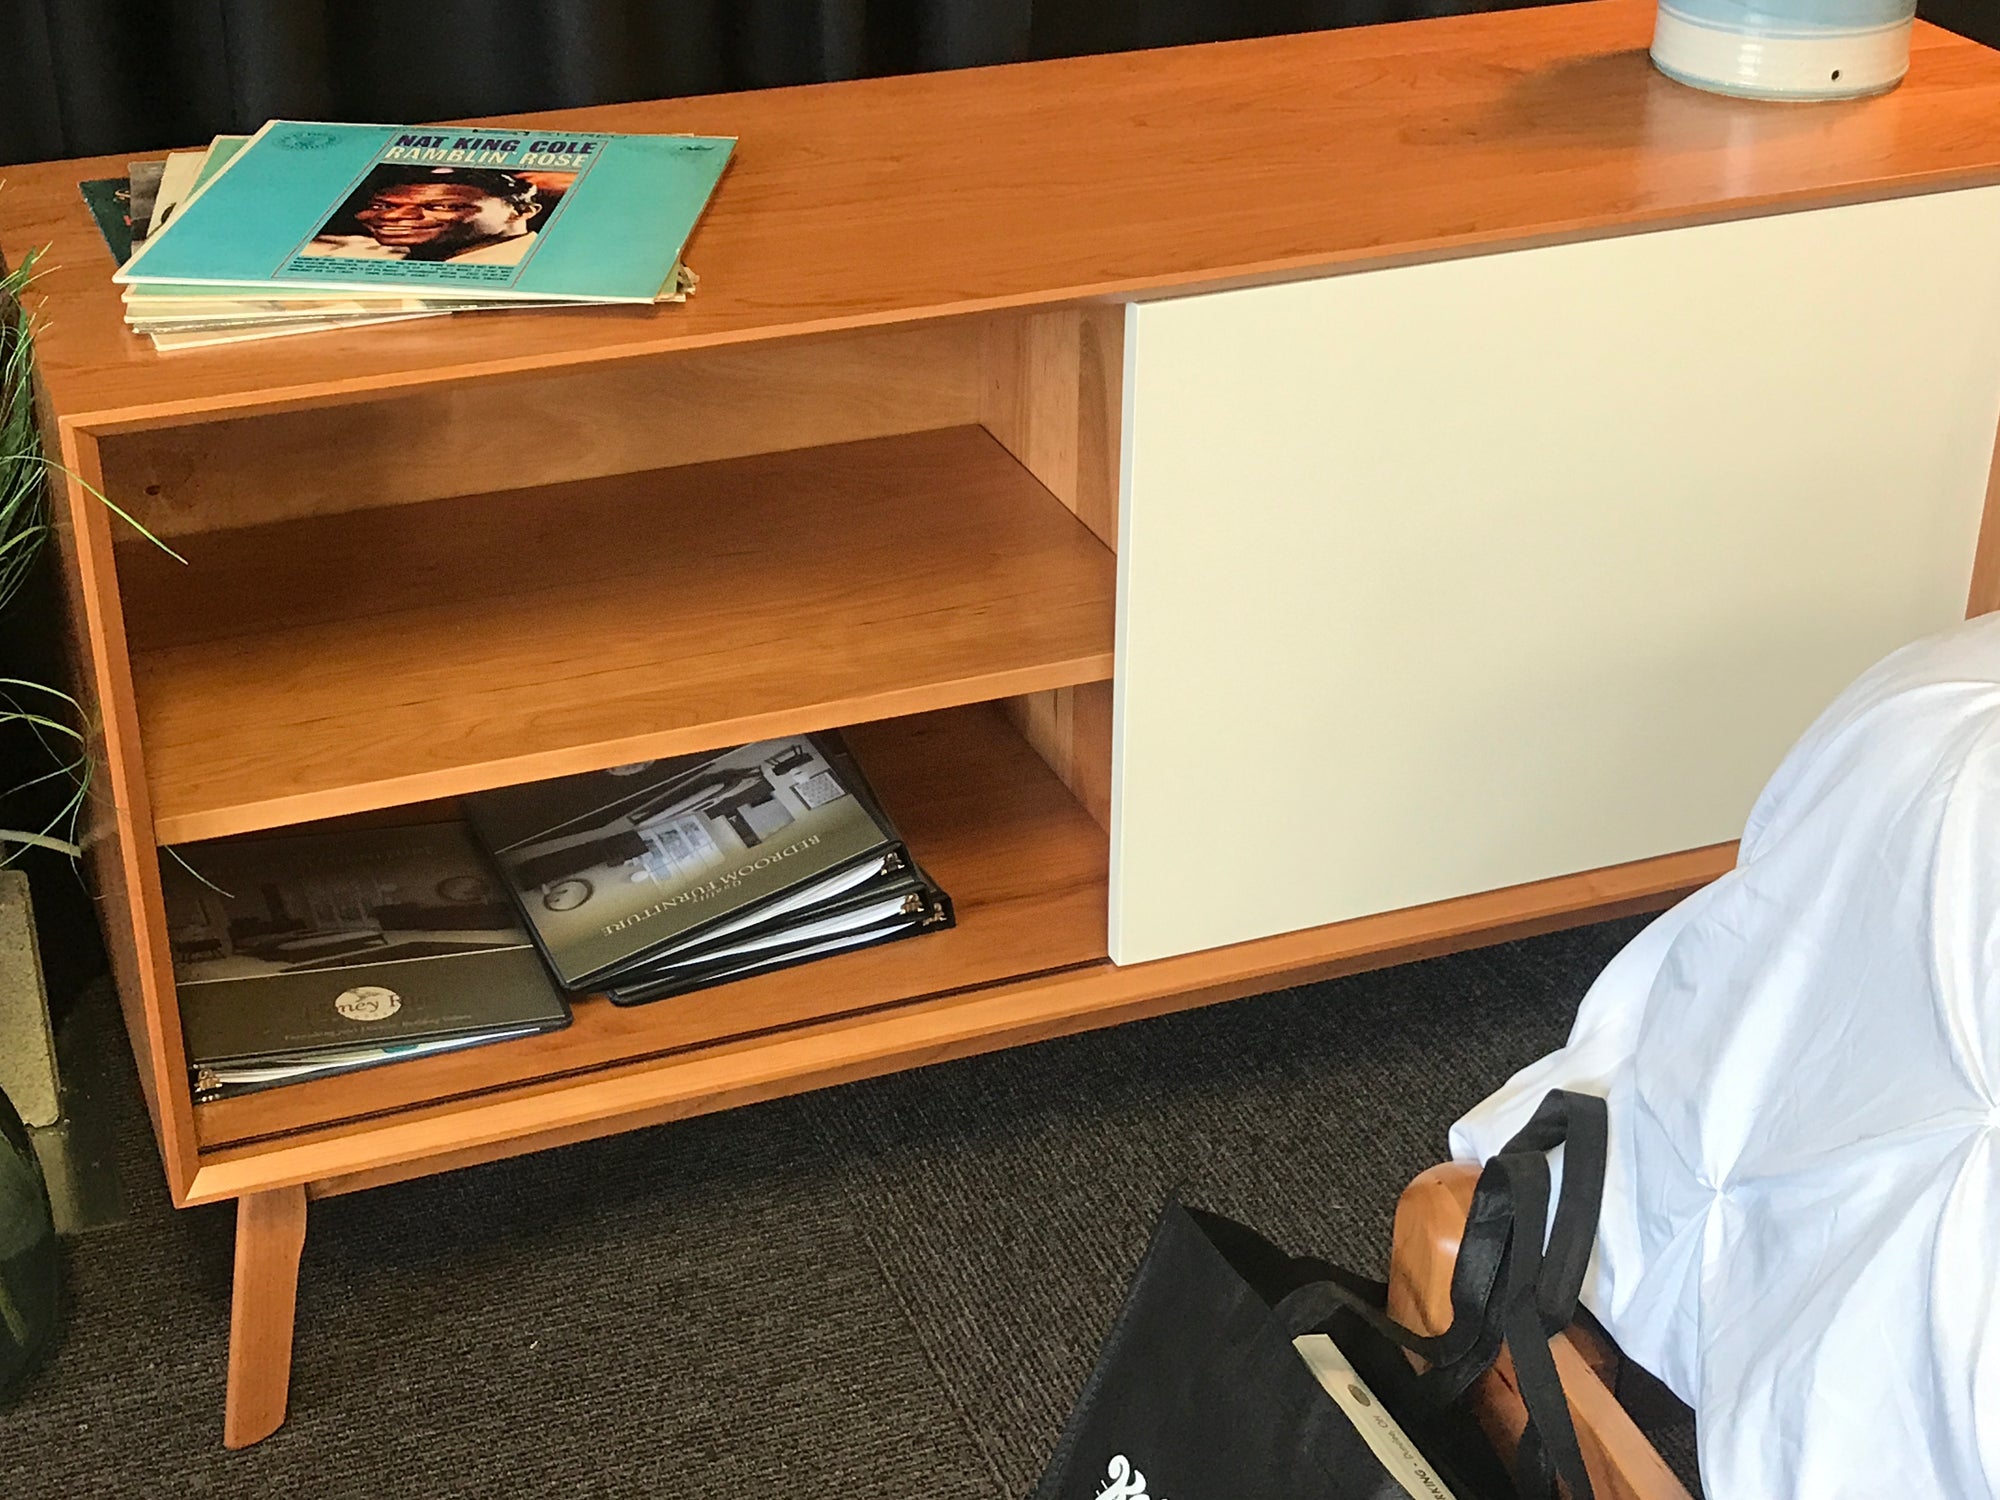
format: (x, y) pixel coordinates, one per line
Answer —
(325, 666)
(536, 1116)
(1023, 862)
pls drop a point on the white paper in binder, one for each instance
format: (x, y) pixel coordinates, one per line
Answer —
(1801, 1228)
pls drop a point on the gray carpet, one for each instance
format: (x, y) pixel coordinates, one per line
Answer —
(893, 1288)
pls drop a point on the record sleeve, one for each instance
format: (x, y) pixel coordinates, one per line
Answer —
(491, 210)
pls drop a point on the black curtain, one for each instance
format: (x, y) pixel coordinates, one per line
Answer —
(89, 77)
(95, 76)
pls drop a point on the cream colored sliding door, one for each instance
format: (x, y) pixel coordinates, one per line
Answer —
(1440, 579)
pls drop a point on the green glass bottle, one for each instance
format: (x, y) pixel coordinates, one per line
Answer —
(29, 1269)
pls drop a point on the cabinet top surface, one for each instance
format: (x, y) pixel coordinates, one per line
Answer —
(891, 200)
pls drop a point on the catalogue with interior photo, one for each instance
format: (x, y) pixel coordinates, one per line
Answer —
(651, 879)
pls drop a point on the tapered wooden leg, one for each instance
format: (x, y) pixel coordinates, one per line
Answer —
(270, 1234)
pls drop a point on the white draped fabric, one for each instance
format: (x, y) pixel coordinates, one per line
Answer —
(1801, 1226)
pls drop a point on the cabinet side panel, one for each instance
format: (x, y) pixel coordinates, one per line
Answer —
(117, 829)
(1053, 395)
(1439, 579)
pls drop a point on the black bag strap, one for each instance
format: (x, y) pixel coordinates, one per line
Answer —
(1548, 1445)
(1580, 1125)
(1310, 1307)
(1505, 1288)
(1470, 1345)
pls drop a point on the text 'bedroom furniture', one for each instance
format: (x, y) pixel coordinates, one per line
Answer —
(1263, 511)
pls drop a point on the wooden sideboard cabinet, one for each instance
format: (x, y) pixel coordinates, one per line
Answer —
(1261, 511)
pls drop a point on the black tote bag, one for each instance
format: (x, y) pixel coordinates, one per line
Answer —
(1201, 1394)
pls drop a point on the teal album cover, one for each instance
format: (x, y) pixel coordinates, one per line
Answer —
(486, 211)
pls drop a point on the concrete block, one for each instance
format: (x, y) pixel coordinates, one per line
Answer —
(27, 1050)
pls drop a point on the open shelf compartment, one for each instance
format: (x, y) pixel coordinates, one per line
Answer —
(322, 666)
(1024, 863)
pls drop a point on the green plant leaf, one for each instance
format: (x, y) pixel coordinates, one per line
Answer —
(25, 476)
(37, 841)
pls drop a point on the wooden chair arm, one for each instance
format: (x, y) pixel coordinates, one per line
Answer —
(1429, 1218)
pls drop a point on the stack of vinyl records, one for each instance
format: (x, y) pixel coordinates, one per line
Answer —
(307, 226)
(651, 880)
